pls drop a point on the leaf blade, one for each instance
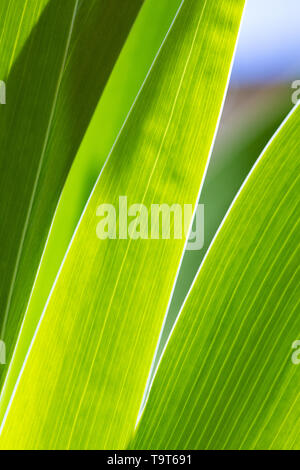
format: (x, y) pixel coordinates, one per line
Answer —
(227, 379)
(116, 100)
(39, 139)
(110, 374)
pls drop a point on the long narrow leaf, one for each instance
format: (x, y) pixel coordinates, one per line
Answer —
(227, 379)
(87, 368)
(52, 90)
(127, 77)
(234, 154)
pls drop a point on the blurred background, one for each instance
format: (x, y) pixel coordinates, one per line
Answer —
(259, 97)
(269, 44)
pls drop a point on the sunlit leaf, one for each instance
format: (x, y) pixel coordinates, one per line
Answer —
(242, 136)
(126, 79)
(227, 379)
(53, 87)
(86, 371)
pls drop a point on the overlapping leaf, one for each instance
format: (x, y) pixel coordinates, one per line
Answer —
(53, 87)
(16, 23)
(86, 371)
(241, 139)
(136, 57)
(227, 379)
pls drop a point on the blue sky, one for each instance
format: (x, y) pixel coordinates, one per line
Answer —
(269, 43)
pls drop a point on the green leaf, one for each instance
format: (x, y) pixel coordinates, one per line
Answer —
(52, 90)
(241, 139)
(126, 79)
(86, 371)
(16, 23)
(226, 379)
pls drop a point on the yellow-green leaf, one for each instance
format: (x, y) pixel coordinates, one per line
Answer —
(84, 377)
(53, 87)
(16, 23)
(126, 79)
(227, 379)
